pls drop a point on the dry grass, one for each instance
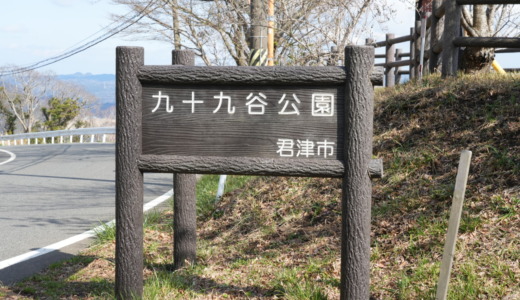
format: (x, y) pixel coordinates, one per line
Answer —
(278, 238)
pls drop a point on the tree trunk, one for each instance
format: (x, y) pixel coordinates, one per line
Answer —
(477, 60)
(478, 24)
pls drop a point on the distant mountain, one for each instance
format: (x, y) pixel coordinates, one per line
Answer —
(103, 86)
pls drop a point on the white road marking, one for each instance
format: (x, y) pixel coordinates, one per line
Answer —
(13, 157)
(80, 237)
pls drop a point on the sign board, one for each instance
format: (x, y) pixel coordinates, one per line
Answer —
(282, 121)
(243, 121)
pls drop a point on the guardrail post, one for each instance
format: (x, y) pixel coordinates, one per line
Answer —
(81, 138)
(92, 138)
(185, 208)
(450, 53)
(390, 57)
(104, 138)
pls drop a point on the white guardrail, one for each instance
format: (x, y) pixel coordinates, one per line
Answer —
(92, 135)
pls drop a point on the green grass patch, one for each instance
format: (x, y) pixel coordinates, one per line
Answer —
(206, 192)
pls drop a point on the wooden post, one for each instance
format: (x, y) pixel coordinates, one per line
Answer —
(357, 191)
(434, 38)
(184, 198)
(129, 179)
(417, 46)
(427, 47)
(453, 225)
(398, 53)
(450, 53)
(390, 57)
(413, 57)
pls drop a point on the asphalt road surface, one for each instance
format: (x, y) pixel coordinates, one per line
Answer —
(49, 193)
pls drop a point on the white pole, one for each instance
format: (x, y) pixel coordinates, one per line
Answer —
(221, 186)
(423, 39)
(453, 225)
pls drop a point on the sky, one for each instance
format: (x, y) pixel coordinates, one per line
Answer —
(35, 30)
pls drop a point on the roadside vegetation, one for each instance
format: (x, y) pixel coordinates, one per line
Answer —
(278, 237)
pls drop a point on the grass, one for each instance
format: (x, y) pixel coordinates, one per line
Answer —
(278, 238)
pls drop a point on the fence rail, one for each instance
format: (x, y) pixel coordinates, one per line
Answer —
(94, 135)
(393, 57)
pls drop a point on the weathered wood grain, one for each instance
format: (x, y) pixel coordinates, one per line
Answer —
(277, 75)
(491, 42)
(250, 166)
(184, 220)
(357, 189)
(184, 197)
(129, 179)
(481, 2)
(450, 53)
(198, 131)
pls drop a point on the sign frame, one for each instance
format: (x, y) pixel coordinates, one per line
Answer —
(356, 166)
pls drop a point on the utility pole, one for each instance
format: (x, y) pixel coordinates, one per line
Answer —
(176, 26)
(270, 33)
(258, 56)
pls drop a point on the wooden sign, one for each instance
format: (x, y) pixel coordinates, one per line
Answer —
(236, 121)
(281, 121)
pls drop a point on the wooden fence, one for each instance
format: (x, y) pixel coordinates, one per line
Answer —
(394, 57)
(442, 43)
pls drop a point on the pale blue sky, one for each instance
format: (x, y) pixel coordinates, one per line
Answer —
(34, 30)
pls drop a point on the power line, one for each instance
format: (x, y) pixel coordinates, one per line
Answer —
(110, 32)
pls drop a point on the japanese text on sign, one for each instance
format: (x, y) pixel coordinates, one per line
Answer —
(288, 122)
(256, 103)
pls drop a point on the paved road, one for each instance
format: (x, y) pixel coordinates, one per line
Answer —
(51, 192)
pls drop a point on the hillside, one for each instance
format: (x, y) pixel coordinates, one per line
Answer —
(278, 238)
(103, 86)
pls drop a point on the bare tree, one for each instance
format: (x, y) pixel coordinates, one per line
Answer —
(23, 94)
(87, 102)
(218, 30)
